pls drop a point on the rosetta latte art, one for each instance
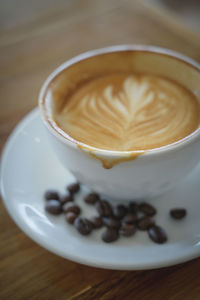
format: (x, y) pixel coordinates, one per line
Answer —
(129, 112)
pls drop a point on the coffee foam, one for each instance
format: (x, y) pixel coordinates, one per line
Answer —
(126, 112)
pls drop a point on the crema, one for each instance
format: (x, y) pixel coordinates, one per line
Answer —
(127, 112)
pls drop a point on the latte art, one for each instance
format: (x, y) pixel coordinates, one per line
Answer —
(125, 112)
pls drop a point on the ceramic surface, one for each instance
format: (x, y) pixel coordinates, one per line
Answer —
(29, 167)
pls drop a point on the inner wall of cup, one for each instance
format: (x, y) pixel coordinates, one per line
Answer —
(125, 61)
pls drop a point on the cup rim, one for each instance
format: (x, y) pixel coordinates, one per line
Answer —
(66, 139)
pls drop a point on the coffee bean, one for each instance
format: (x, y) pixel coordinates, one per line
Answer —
(51, 195)
(111, 222)
(70, 217)
(53, 207)
(110, 235)
(104, 209)
(119, 211)
(89, 223)
(97, 222)
(119, 220)
(133, 207)
(147, 209)
(83, 225)
(91, 198)
(127, 229)
(66, 198)
(178, 213)
(157, 234)
(73, 188)
(130, 218)
(71, 207)
(145, 223)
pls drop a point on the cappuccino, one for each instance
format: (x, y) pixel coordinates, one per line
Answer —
(140, 100)
(126, 111)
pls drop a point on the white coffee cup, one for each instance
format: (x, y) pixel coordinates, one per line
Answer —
(131, 177)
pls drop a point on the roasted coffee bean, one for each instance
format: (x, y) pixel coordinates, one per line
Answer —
(66, 198)
(83, 225)
(73, 188)
(51, 195)
(127, 229)
(53, 207)
(133, 207)
(110, 235)
(111, 222)
(147, 209)
(178, 213)
(89, 223)
(157, 234)
(91, 198)
(70, 217)
(97, 222)
(145, 223)
(130, 218)
(71, 207)
(119, 211)
(104, 209)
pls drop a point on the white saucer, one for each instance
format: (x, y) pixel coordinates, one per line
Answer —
(29, 167)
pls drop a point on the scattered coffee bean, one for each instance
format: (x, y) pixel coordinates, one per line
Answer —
(53, 207)
(110, 235)
(147, 209)
(97, 222)
(111, 222)
(51, 195)
(70, 217)
(91, 198)
(130, 218)
(104, 209)
(83, 225)
(127, 229)
(71, 207)
(145, 223)
(133, 207)
(157, 234)
(119, 211)
(73, 188)
(178, 213)
(119, 220)
(66, 198)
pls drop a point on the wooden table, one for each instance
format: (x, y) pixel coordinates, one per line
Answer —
(29, 50)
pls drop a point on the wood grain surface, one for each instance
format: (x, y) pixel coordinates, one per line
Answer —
(30, 48)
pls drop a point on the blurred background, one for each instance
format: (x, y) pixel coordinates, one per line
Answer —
(187, 11)
(21, 12)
